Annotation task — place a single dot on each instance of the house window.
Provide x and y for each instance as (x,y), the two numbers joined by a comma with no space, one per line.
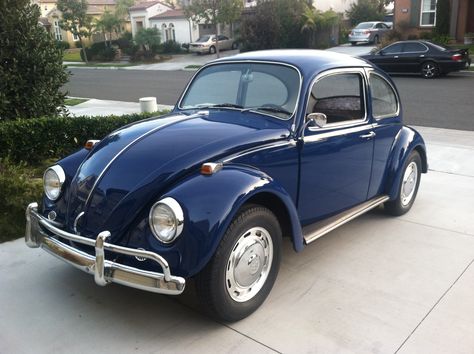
(171,33)
(428,13)
(164,32)
(57,31)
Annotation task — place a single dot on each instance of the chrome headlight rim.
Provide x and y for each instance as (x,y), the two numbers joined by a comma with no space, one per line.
(178,214)
(58,170)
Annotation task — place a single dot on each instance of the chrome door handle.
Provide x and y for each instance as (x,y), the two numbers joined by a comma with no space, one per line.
(396,56)
(368,136)
(422,56)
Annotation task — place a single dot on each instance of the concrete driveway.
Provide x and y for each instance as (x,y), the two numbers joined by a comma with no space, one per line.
(354,50)
(379,284)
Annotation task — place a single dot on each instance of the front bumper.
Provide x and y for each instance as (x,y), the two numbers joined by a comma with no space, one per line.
(104,271)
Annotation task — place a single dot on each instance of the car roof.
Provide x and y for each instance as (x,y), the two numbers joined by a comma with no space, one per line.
(308,61)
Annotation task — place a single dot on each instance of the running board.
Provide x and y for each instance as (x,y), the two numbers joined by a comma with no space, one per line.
(314,231)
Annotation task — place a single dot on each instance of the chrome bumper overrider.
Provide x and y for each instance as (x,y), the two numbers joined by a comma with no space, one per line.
(104,271)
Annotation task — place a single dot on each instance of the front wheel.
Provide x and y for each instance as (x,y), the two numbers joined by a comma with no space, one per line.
(212,50)
(244,267)
(408,186)
(376,40)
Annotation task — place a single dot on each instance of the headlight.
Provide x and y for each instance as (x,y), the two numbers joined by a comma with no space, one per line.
(53,180)
(166,220)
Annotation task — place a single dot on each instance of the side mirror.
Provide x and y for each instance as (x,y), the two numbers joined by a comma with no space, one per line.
(316,119)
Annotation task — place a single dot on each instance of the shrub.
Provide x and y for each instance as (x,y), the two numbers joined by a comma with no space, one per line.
(20,185)
(427,35)
(441,39)
(33,140)
(62,45)
(78,44)
(100,51)
(170,47)
(31,65)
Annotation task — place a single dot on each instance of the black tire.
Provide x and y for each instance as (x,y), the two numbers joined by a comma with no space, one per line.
(376,40)
(212,50)
(235,45)
(214,282)
(400,205)
(429,70)
(353,43)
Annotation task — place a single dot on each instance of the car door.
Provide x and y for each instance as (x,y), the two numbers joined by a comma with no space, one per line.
(223,42)
(336,159)
(412,55)
(388,58)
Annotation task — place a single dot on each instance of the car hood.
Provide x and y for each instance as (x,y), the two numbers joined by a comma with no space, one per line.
(132,167)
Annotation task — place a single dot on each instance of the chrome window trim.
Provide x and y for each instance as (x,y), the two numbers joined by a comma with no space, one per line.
(351,123)
(248,62)
(395,53)
(333,133)
(397,113)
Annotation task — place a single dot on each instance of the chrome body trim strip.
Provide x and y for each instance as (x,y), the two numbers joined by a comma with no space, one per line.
(125,148)
(333,133)
(256,149)
(104,271)
(314,231)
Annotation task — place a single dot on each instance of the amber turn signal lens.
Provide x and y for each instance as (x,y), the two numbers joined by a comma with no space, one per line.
(90,144)
(209,168)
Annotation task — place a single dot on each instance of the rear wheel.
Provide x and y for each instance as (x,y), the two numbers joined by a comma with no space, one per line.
(242,271)
(429,70)
(408,186)
(212,50)
(376,40)
(353,43)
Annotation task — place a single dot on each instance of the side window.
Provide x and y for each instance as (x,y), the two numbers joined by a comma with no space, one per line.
(384,99)
(395,48)
(339,96)
(413,47)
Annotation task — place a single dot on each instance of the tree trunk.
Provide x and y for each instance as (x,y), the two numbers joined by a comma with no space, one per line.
(83,50)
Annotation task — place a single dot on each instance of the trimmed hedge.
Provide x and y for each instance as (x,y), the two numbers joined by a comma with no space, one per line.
(34,140)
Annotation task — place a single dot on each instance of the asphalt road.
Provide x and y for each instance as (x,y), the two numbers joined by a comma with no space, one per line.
(442,103)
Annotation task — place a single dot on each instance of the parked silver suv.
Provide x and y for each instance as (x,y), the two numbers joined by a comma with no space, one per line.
(368,32)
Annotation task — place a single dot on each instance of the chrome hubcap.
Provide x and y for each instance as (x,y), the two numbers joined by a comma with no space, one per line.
(429,70)
(409,183)
(249,264)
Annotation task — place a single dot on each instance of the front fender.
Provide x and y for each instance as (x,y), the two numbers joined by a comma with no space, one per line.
(211,202)
(407,140)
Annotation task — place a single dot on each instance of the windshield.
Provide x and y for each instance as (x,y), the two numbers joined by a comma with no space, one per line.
(203,39)
(270,89)
(364,25)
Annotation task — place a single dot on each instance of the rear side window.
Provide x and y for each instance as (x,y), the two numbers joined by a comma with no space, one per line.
(414,48)
(384,99)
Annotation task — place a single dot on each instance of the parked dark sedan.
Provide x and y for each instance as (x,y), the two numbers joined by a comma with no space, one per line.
(429,59)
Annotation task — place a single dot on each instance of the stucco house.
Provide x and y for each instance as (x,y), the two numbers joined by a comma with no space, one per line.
(174,25)
(417,16)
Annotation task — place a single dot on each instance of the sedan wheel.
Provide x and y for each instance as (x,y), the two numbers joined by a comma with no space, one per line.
(212,50)
(244,267)
(429,70)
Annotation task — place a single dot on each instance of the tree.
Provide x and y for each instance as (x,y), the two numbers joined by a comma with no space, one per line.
(121,8)
(315,20)
(214,12)
(366,10)
(76,20)
(108,23)
(443,12)
(274,24)
(149,39)
(31,70)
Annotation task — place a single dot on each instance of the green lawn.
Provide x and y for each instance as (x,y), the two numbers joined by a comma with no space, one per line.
(74,101)
(72,56)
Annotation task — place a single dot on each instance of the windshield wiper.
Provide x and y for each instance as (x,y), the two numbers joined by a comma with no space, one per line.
(217,105)
(267,108)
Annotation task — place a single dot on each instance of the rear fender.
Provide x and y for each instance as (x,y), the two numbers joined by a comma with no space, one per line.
(406,141)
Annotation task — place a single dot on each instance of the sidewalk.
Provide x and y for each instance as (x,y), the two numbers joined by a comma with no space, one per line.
(94,107)
(378,284)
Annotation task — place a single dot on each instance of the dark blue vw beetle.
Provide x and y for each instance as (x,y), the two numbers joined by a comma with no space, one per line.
(260,146)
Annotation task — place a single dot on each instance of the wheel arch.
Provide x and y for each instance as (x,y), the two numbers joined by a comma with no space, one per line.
(407,140)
